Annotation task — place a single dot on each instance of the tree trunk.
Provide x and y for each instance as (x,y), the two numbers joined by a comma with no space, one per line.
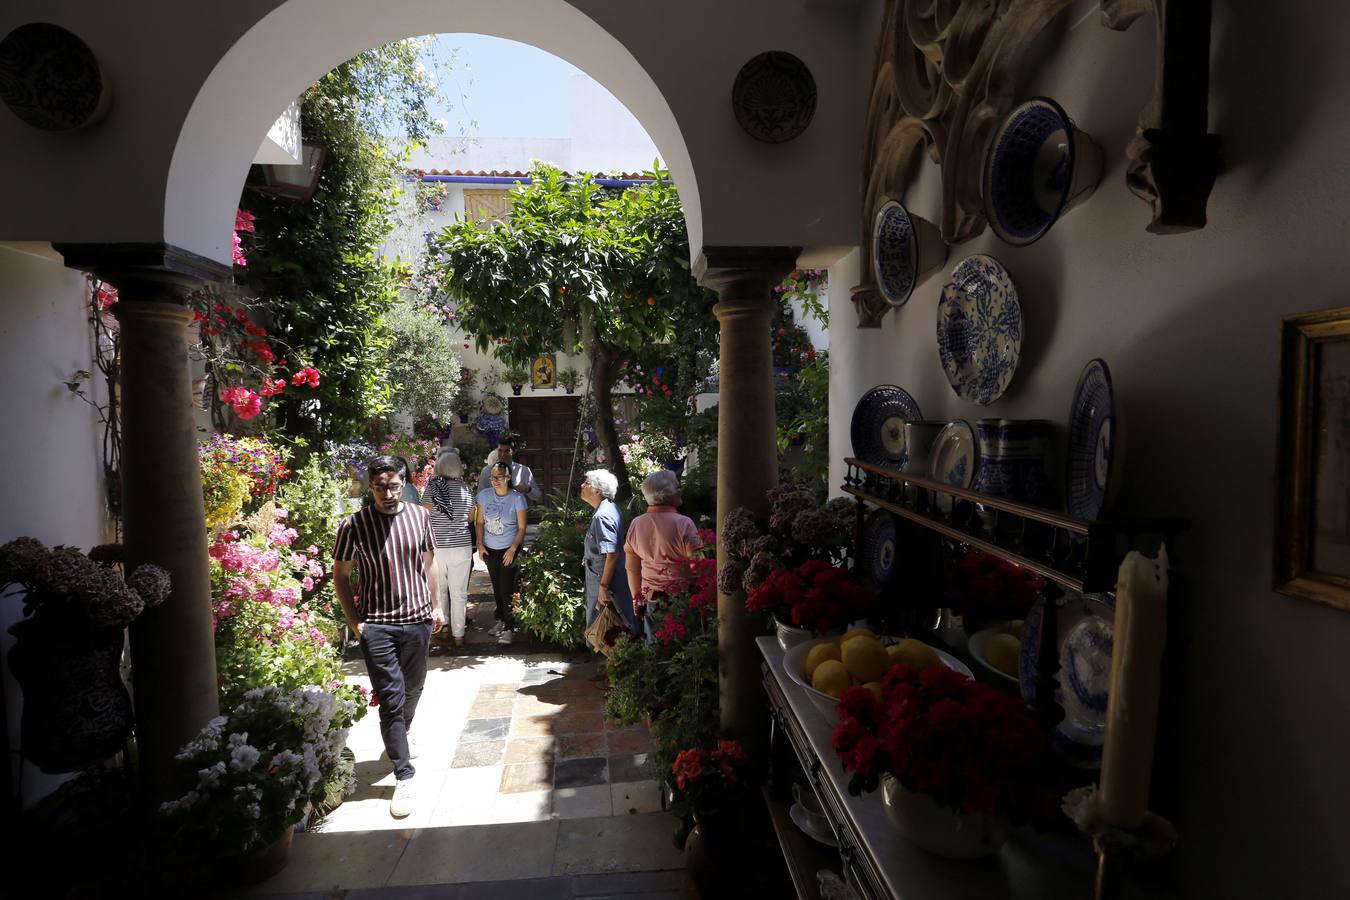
(603,359)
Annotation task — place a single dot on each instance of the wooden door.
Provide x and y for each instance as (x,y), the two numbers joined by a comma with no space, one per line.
(547,426)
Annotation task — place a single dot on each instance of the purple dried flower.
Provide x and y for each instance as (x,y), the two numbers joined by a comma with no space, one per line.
(150,582)
(19,559)
(107,554)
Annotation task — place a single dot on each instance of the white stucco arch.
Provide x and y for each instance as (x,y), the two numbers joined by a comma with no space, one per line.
(301,40)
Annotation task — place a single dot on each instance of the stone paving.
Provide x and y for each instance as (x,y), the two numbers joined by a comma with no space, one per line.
(519,776)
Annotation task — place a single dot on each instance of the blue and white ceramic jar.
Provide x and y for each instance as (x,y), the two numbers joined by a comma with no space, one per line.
(1013,454)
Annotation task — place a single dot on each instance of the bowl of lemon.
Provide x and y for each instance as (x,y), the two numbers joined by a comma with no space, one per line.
(996,651)
(828,666)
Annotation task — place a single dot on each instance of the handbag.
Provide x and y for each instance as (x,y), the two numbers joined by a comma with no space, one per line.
(607,618)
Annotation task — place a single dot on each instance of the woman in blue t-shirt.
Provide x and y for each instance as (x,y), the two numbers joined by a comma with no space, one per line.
(499,523)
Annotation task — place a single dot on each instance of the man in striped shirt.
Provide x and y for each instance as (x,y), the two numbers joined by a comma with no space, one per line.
(389,544)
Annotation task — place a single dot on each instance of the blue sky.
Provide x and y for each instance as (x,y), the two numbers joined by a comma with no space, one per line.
(509,89)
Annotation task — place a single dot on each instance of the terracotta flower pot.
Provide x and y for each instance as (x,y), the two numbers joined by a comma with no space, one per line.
(936,828)
(259,864)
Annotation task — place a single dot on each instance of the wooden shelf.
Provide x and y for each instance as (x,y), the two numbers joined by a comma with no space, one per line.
(1074,553)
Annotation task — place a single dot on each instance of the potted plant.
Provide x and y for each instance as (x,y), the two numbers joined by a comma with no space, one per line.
(569,379)
(68,650)
(254,772)
(516,375)
(466,400)
(955,758)
(711,784)
(814,597)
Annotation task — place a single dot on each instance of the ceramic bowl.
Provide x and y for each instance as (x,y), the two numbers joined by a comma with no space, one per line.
(906,249)
(794,661)
(976,645)
(1038,167)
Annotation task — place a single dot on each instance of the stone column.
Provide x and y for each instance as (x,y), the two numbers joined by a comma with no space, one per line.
(747,457)
(172,646)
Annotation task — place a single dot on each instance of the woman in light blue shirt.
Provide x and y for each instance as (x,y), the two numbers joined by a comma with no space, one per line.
(499,523)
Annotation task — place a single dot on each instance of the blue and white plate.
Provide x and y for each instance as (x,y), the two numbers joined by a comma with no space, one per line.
(954,455)
(876,552)
(895,253)
(878,426)
(1085,626)
(1093,436)
(979,329)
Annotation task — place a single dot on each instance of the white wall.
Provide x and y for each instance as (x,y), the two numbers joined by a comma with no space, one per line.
(51,440)
(1252,758)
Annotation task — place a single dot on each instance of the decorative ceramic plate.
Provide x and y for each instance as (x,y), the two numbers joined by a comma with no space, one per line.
(1028,171)
(953,456)
(876,551)
(979,329)
(493,404)
(774,97)
(1085,626)
(895,253)
(802,819)
(878,427)
(1092,442)
(976,645)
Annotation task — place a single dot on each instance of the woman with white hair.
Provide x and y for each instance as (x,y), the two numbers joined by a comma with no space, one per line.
(606,579)
(656,541)
(450,502)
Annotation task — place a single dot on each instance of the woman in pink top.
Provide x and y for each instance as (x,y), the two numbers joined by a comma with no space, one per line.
(656,539)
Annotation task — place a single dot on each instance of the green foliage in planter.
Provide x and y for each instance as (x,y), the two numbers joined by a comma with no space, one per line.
(316,500)
(516,375)
(473,453)
(806,415)
(569,379)
(552,585)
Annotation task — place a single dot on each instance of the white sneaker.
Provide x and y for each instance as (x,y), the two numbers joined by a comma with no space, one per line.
(404,800)
(506,637)
(496,628)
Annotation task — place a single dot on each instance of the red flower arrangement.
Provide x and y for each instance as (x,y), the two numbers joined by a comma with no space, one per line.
(987,585)
(815,595)
(708,779)
(961,742)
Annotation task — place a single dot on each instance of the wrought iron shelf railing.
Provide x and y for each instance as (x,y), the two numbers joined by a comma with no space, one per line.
(1074,553)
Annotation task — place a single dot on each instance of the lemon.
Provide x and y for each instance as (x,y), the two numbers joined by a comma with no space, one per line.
(874,687)
(914,653)
(1001,652)
(856,632)
(864,658)
(831,678)
(817,655)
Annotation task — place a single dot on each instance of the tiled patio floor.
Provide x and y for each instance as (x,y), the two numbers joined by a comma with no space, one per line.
(518,777)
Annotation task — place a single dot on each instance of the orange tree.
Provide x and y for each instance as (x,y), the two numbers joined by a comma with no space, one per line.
(579,266)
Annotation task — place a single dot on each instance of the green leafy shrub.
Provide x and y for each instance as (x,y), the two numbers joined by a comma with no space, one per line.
(423,358)
(552,584)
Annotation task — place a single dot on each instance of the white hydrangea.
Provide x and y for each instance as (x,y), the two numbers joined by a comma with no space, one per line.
(244,757)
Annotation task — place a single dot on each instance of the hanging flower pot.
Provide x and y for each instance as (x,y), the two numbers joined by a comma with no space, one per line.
(937,828)
(76,709)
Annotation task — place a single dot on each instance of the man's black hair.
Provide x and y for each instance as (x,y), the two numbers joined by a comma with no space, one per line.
(381,464)
(507,440)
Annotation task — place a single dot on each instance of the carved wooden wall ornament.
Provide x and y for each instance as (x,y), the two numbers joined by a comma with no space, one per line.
(943,78)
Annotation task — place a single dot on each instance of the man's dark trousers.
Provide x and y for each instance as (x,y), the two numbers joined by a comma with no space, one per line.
(396,659)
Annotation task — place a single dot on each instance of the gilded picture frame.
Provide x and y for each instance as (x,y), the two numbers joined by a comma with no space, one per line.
(544,371)
(1312,500)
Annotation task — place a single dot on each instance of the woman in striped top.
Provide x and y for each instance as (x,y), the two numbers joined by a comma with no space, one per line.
(450,502)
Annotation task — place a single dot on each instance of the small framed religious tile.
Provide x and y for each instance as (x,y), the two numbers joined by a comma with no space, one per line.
(1312,500)
(544,371)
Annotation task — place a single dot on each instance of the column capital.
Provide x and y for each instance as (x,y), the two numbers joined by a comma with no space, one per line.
(744,272)
(164,271)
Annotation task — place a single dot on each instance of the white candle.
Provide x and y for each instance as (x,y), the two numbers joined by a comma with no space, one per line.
(1132,710)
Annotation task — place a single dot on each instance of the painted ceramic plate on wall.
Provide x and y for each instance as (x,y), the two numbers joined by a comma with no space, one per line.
(894,253)
(954,457)
(493,405)
(878,426)
(876,551)
(774,97)
(1085,626)
(979,329)
(1093,438)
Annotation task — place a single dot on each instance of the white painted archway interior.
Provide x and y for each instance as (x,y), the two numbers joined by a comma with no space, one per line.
(300,41)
